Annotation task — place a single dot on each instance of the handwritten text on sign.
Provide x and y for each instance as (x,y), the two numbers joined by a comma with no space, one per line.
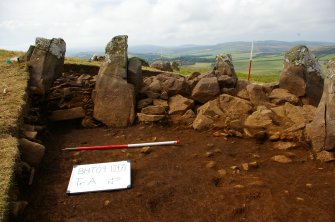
(99,177)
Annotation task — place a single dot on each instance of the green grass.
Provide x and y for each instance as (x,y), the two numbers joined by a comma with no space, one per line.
(8,156)
(259,78)
(186,71)
(14,78)
(81,61)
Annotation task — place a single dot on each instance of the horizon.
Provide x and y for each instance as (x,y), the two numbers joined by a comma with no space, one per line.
(102,48)
(92,23)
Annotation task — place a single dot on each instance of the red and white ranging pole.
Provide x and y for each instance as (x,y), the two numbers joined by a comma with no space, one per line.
(250,63)
(121,146)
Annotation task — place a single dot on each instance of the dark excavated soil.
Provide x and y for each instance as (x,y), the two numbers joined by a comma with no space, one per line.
(172,183)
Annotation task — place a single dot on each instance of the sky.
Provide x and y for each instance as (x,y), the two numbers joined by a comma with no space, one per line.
(91,24)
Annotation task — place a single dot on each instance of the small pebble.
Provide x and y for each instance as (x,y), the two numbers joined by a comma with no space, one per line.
(281,159)
(211,164)
(234,167)
(146,150)
(253,164)
(222,172)
(309,185)
(76,153)
(210,145)
(238,186)
(299,199)
(256,183)
(209,154)
(217,150)
(245,166)
(107,202)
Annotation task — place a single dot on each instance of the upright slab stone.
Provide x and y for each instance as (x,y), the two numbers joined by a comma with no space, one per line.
(225,72)
(114,97)
(302,75)
(46,63)
(321,130)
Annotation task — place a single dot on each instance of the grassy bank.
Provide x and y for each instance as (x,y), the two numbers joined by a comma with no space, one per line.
(12,100)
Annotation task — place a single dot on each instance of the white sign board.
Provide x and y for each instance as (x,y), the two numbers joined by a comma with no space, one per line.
(99,177)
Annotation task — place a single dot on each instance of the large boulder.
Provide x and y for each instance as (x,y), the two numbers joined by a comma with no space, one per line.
(257,94)
(162,65)
(114,97)
(302,75)
(206,89)
(174,84)
(241,89)
(321,130)
(261,118)
(281,96)
(179,104)
(46,63)
(223,112)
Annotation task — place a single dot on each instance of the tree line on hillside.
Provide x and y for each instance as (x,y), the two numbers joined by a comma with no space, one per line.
(184,60)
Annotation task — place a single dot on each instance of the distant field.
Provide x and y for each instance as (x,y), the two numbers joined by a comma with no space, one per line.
(264,68)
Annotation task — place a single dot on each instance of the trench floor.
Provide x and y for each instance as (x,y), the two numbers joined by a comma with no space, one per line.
(175,183)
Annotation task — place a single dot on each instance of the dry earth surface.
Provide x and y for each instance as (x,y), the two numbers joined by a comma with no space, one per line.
(200,180)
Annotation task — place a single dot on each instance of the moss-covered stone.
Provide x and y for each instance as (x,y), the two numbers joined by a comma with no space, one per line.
(300,55)
(116,55)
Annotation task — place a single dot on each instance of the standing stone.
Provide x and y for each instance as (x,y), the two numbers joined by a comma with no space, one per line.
(114,97)
(225,72)
(321,130)
(46,63)
(28,54)
(302,75)
(135,73)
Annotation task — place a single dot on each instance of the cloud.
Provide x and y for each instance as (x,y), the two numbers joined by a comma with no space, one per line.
(92,23)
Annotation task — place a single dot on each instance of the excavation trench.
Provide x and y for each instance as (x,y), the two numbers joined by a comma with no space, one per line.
(209,177)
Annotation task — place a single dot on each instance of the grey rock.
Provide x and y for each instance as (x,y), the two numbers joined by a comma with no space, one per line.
(149,118)
(281,96)
(261,118)
(67,114)
(144,102)
(114,98)
(302,74)
(46,63)
(281,159)
(257,95)
(135,73)
(223,112)
(206,89)
(325,156)
(179,104)
(17,209)
(31,152)
(161,102)
(285,145)
(162,65)
(153,110)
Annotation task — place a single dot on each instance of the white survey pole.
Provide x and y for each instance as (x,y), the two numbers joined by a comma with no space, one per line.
(250,62)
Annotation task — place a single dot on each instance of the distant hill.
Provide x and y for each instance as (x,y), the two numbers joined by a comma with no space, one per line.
(269,46)
(207,53)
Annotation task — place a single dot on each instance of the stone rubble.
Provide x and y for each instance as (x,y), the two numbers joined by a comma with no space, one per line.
(122,93)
